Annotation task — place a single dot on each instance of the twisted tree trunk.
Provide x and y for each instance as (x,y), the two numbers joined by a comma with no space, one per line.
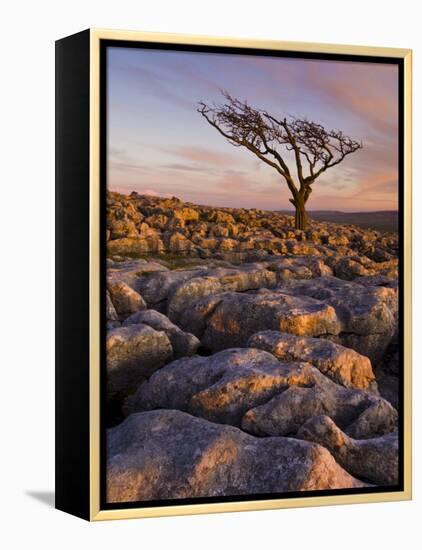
(301,216)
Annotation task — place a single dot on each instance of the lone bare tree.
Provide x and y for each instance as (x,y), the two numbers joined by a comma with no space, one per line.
(310,144)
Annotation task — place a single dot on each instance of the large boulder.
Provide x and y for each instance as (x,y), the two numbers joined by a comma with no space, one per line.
(245,277)
(169,454)
(125,300)
(175,291)
(240,315)
(217,281)
(367,314)
(349,268)
(289,409)
(361,309)
(133,354)
(299,267)
(343,365)
(379,418)
(190,291)
(130,272)
(220,388)
(194,318)
(156,287)
(376,460)
(183,343)
(250,387)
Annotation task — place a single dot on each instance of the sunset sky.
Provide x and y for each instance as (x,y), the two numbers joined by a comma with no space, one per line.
(159,144)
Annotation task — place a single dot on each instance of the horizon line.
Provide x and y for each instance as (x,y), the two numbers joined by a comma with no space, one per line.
(157,196)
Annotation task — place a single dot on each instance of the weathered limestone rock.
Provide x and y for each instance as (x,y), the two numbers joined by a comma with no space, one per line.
(335,240)
(357,267)
(361,309)
(122,228)
(155,288)
(219,231)
(220,388)
(343,365)
(253,385)
(130,272)
(187,293)
(302,248)
(194,318)
(239,316)
(245,277)
(217,280)
(170,454)
(179,244)
(190,291)
(378,419)
(299,267)
(289,409)
(373,459)
(349,268)
(125,299)
(227,244)
(151,244)
(187,214)
(177,290)
(220,217)
(367,315)
(133,354)
(184,344)
(157,221)
(140,224)
(272,280)
(378,280)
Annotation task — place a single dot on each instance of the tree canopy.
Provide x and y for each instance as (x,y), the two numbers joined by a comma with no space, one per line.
(314,148)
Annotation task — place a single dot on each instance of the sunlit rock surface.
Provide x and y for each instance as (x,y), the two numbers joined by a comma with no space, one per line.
(343,365)
(235,340)
(250,388)
(170,454)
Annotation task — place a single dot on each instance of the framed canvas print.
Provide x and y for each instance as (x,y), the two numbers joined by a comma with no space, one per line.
(233,274)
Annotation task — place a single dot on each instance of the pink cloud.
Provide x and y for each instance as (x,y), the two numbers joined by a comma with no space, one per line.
(377,191)
(357,88)
(204,155)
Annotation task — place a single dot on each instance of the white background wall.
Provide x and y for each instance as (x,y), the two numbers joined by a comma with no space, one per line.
(28,31)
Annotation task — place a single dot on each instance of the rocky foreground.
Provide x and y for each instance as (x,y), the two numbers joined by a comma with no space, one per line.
(245,357)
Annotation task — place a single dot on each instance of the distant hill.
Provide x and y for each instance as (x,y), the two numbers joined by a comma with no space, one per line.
(383,220)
